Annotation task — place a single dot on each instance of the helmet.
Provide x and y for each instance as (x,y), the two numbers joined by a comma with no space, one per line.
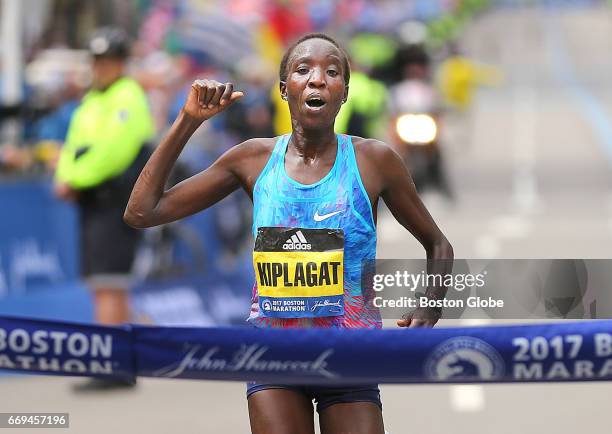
(110,42)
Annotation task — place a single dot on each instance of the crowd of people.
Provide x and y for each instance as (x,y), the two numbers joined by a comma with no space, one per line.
(175,42)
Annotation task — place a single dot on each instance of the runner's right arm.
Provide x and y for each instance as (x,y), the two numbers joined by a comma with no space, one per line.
(150,204)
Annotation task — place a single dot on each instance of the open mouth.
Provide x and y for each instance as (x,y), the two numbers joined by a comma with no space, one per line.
(315,102)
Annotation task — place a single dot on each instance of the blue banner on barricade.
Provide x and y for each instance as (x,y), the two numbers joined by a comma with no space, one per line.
(58,348)
(580,351)
(38,239)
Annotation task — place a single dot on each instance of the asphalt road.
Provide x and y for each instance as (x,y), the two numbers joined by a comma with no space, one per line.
(531,168)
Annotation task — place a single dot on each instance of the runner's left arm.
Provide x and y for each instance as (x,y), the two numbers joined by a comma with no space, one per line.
(400,196)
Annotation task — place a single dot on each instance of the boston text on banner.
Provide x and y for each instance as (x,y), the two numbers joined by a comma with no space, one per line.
(58,348)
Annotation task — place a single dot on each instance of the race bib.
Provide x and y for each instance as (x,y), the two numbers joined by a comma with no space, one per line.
(299,272)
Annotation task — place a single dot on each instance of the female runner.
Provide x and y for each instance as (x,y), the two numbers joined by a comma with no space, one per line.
(315,195)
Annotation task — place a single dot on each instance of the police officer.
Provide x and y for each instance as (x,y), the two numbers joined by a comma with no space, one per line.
(102,156)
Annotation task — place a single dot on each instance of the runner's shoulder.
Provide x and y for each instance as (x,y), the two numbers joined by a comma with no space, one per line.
(252,148)
(372,150)
(250,154)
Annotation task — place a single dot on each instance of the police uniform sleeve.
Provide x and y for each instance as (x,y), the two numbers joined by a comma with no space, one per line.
(66,156)
(121,129)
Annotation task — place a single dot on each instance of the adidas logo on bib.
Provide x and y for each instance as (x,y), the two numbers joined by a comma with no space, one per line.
(297,242)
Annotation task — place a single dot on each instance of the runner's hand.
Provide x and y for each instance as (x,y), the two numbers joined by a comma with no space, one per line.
(420,317)
(208,97)
(65,192)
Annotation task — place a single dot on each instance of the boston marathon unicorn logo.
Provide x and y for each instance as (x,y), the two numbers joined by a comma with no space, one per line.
(266,305)
(464,359)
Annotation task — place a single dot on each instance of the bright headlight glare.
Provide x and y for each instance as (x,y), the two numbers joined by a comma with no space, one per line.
(418,129)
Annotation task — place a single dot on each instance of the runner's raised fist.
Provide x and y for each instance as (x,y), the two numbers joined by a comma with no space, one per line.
(208,97)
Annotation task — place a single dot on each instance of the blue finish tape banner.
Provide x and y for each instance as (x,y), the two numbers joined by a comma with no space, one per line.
(544,352)
(579,351)
(58,348)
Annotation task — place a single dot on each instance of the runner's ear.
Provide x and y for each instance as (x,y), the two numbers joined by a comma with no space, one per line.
(283,89)
(346,93)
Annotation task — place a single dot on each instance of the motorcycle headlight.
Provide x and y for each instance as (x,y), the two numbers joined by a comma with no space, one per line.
(416,129)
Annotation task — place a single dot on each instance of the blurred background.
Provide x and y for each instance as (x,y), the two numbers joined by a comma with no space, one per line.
(502,109)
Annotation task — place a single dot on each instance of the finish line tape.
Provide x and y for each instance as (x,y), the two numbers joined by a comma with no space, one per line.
(569,351)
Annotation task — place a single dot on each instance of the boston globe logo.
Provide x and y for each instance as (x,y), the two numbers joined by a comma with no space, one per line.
(464,359)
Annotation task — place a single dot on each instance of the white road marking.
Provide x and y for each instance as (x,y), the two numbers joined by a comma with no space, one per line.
(524,147)
(511,226)
(467,398)
(487,247)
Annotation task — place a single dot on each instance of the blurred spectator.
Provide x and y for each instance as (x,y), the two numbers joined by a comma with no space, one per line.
(416,98)
(160,75)
(289,19)
(365,106)
(101,159)
(251,116)
(56,81)
(458,78)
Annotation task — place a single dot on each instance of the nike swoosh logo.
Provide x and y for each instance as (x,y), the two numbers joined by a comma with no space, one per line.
(320,218)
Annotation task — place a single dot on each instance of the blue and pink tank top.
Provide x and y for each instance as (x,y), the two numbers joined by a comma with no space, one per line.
(337,207)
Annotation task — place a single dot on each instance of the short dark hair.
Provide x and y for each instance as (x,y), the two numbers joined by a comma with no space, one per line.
(285,60)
